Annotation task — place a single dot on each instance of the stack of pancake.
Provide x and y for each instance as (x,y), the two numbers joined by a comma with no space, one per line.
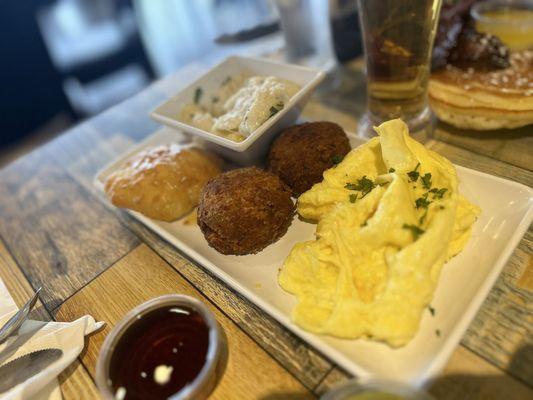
(485,100)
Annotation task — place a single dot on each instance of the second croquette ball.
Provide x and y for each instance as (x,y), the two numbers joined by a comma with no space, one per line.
(301,153)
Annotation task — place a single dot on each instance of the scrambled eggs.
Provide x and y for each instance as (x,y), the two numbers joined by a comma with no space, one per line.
(389,216)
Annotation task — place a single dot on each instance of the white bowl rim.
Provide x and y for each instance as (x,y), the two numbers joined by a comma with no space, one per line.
(246,143)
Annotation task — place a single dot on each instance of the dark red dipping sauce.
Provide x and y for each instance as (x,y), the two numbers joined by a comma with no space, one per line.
(174,336)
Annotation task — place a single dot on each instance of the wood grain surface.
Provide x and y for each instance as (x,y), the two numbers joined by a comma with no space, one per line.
(466,376)
(503,328)
(75,381)
(299,358)
(307,364)
(57,232)
(505,145)
(85,151)
(141,275)
(502,331)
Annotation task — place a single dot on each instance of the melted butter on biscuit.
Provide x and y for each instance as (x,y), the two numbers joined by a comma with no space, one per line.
(381,240)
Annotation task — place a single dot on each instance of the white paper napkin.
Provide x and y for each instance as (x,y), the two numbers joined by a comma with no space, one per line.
(37,335)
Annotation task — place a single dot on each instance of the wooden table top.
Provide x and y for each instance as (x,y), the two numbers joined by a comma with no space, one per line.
(57,232)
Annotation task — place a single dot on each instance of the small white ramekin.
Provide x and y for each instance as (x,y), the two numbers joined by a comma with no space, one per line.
(255,146)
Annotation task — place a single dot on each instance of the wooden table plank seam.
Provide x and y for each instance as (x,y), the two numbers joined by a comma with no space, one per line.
(71,380)
(80,359)
(4,243)
(162,248)
(479,153)
(506,145)
(53,310)
(496,366)
(501,332)
(317,386)
(157,243)
(148,269)
(39,298)
(260,344)
(124,216)
(54,229)
(481,162)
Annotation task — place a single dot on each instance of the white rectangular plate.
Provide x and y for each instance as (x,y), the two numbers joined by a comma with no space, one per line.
(507,212)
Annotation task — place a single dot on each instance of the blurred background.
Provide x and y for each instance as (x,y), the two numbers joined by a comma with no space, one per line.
(66,60)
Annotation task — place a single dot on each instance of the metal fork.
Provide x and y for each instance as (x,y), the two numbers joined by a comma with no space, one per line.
(18,319)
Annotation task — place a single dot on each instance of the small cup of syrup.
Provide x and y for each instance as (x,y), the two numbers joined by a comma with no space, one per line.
(168,347)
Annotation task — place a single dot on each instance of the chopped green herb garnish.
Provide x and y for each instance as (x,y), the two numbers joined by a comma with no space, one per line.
(438,193)
(226,81)
(275,109)
(364,223)
(337,158)
(437,332)
(442,207)
(353,198)
(431,310)
(422,202)
(198,95)
(426,181)
(414,174)
(415,230)
(423,217)
(214,99)
(391,170)
(364,185)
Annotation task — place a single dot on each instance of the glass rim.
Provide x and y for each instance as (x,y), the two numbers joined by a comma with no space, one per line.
(477,10)
(212,357)
(369,384)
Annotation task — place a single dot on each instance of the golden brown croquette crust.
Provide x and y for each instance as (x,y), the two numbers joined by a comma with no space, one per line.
(244,210)
(301,153)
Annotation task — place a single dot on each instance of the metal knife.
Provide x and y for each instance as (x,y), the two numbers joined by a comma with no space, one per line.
(18,319)
(24,367)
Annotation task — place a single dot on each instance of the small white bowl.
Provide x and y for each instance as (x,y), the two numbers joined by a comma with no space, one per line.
(255,146)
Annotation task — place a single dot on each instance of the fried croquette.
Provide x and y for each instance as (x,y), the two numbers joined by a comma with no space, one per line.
(303,152)
(244,210)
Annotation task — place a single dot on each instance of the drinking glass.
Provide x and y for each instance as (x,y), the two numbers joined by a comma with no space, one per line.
(398,40)
(306,29)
